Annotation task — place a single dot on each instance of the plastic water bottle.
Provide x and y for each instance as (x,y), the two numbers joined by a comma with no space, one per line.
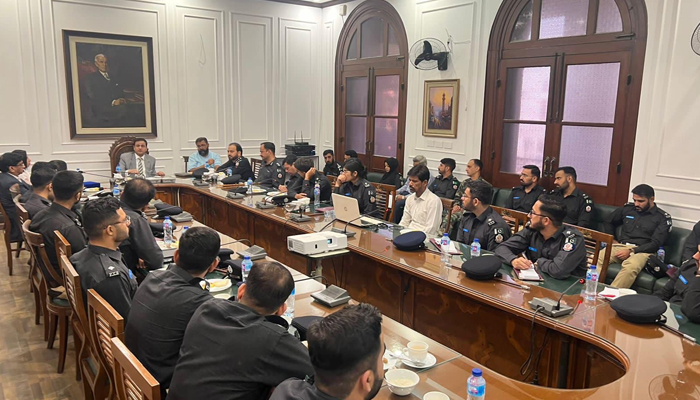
(661,253)
(119,170)
(168,231)
(445,247)
(246,266)
(229,171)
(290,305)
(116,192)
(476,248)
(476,386)
(317,195)
(591,283)
(249,186)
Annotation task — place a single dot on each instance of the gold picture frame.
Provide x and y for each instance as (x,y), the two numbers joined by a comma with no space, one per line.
(441,108)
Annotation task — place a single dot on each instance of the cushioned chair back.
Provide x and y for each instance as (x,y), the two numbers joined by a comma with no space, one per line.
(601,213)
(495,194)
(374,177)
(501,197)
(132,379)
(675,244)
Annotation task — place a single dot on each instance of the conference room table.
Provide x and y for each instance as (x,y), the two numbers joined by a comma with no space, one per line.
(590,353)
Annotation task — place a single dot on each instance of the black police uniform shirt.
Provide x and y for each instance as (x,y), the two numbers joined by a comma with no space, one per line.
(7,181)
(579,207)
(232,352)
(646,230)
(65,221)
(489,228)
(445,187)
(562,255)
(691,243)
(307,187)
(271,175)
(297,389)
(34,204)
(141,243)
(160,311)
(363,191)
(103,270)
(684,289)
(239,166)
(522,201)
(294,184)
(333,169)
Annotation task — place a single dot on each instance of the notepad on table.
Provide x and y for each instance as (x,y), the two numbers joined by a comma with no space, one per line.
(529,274)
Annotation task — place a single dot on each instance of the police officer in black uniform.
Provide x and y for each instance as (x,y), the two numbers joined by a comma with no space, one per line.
(67,189)
(42,190)
(445,184)
(332,167)
(352,183)
(309,175)
(292,185)
(240,166)
(579,206)
(552,247)
(140,249)
(100,265)
(480,221)
(684,288)
(645,227)
(523,197)
(271,174)
(691,243)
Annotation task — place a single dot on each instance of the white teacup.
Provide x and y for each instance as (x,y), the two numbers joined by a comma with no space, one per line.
(435,396)
(417,351)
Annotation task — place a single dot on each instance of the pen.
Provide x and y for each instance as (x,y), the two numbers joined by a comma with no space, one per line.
(679,333)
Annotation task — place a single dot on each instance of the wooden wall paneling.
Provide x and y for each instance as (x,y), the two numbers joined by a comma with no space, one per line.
(192,202)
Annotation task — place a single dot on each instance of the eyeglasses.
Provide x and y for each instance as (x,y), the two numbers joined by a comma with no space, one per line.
(127,221)
(532,212)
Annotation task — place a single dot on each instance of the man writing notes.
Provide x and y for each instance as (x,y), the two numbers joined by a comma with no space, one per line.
(480,221)
(139,162)
(203,158)
(423,210)
(645,227)
(241,349)
(547,244)
(346,350)
(524,196)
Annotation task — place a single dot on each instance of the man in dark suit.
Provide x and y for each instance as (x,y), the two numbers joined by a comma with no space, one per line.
(11,166)
(103,102)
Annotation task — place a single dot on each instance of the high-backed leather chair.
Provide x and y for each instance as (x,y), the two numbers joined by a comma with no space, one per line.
(120,146)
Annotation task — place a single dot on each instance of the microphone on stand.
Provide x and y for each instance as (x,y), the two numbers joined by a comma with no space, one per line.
(554,308)
(369,214)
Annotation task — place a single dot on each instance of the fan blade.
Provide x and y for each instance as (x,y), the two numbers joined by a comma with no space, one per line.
(427,48)
(420,58)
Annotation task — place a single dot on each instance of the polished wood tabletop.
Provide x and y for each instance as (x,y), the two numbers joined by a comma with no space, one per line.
(639,361)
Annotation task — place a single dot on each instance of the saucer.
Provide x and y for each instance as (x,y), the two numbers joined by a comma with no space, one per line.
(430,360)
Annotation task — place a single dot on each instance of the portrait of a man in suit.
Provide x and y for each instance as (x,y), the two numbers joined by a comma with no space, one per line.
(110,84)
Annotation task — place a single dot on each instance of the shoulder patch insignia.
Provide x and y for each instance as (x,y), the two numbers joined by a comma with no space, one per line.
(588,208)
(454,187)
(279,176)
(499,237)
(372,199)
(568,247)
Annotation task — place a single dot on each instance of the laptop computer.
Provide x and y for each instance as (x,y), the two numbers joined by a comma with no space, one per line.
(347,209)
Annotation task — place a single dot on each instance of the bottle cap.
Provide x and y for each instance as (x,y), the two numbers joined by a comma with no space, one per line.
(476,372)
(167,217)
(246,257)
(593,266)
(185,228)
(476,240)
(445,234)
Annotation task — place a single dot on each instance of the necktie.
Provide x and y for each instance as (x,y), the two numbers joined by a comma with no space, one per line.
(140,166)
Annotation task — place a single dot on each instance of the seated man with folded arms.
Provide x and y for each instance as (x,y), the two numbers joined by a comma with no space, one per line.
(140,249)
(645,227)
(553,248)
(578,205)
(684,288)
(309,175)
(100,264)
(203,158)
(691,244)
(240,166)
(271,173)
(404,191)
(332,166)
(166,300)
(241,349)
(42,189)
(423,210)
(293,182)
(67,190)
(346,350)
(480,221)
(523,197)
(139,162)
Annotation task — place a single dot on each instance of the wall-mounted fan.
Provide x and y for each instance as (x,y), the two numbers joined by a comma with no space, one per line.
(429,53)
(695,40)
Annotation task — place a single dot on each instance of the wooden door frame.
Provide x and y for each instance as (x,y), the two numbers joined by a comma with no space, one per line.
(632,40)
(365,11)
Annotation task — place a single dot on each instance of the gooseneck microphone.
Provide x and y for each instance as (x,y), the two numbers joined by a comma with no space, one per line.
(558,306)
(553,308)
(369,214)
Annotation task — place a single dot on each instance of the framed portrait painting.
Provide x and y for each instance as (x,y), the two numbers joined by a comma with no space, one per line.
(109,80)
(440,107)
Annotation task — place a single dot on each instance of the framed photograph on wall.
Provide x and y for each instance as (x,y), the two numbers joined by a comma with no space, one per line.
(109,80)
(440,108)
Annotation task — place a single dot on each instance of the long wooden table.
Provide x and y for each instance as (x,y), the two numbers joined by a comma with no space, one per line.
(592,351)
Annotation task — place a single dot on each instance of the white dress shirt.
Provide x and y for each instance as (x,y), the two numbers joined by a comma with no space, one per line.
(423,213)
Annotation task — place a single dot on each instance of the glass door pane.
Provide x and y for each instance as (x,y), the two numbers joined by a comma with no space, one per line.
(523,144)
(356,107)
(386,104)
(588,150)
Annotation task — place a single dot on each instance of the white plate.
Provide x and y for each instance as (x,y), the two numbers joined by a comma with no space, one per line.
(273,194)
(213,289)
(390,360)
(258,190)
(430,360)
(224,296)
